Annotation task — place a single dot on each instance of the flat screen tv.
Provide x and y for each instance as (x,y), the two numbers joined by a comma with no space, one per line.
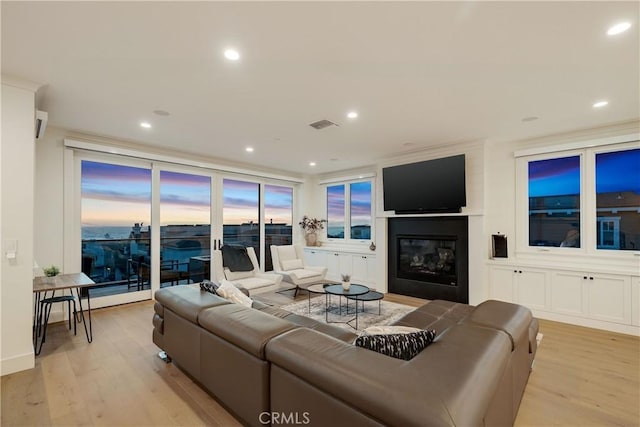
(433,186)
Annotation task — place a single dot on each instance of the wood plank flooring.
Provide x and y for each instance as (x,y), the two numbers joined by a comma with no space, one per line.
(581,377)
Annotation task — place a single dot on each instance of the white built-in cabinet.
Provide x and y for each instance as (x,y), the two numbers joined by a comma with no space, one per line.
(527,286)
(587,295)
(360,266)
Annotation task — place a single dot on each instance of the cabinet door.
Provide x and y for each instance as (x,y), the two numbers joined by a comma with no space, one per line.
(568,292)
(338,264)
(363,267)
(609,297)
(315,257)
(532,288)
(501,283)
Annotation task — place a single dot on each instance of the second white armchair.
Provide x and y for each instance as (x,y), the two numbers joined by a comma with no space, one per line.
(288,261)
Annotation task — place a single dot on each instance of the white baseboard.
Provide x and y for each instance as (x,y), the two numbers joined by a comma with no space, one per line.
(18,363)
(589,323)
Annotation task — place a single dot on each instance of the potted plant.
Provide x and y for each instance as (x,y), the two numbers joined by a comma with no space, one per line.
(346,281)
(310,227)
(51,271)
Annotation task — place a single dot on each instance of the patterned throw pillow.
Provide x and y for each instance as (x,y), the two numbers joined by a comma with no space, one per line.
(209,286)
(400,346)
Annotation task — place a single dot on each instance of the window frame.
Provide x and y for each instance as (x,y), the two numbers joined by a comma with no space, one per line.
(588,205)
(347,210)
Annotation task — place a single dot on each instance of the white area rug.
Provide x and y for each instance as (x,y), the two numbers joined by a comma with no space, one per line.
(389,312)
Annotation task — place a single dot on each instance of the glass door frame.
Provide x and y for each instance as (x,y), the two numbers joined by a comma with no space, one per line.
(73,218)
(157,168)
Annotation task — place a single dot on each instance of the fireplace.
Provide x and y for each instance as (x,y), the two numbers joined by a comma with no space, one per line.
(428,258)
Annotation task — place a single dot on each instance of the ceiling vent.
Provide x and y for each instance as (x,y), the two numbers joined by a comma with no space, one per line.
(41,123)
(322,124)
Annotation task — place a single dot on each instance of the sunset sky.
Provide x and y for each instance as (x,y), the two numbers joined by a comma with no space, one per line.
(114,195)
(360,204)
(616,171)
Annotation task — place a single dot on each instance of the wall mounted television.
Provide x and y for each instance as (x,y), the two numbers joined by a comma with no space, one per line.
(432,186)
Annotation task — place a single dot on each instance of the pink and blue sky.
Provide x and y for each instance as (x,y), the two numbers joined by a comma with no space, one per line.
(115,195)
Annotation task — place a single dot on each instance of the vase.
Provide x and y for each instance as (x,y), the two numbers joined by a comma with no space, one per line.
(346,285)
(311,239)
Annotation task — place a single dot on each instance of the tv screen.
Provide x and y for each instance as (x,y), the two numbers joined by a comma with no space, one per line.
(433,186)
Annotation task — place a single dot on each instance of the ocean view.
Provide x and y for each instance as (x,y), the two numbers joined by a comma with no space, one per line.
(100,232)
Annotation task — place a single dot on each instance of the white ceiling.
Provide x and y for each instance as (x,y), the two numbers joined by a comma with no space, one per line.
(418,73)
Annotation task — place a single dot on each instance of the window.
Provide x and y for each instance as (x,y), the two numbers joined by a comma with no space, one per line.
(349,208)
(554,202)
(278,217)
(335,212)
(618,200)
(115,216)
(584,200)
(360,210)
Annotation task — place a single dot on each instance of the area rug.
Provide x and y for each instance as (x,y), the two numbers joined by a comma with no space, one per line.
(389,312)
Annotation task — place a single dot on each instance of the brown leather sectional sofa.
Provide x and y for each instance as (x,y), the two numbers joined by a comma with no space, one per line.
(269,366)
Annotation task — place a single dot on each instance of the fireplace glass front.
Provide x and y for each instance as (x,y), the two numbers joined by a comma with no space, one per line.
(427,259)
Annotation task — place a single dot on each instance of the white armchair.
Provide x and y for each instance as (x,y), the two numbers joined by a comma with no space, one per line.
(254,281)
(289,262)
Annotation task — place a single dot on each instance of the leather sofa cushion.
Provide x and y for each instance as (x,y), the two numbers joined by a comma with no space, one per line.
(510,318)
(439,315)
(187,301)
(339,333)
(244,327)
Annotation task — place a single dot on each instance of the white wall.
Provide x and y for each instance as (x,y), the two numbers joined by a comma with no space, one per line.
(18,153)
(49,186)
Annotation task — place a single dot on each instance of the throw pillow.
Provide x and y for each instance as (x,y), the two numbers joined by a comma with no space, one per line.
(400,346)
(236,258)
(229,292)
(209,286)
(387,330)
(292,264)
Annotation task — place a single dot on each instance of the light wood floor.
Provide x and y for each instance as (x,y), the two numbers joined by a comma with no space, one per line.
(581,377)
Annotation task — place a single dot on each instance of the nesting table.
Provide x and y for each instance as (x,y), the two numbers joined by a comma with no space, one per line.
(353,293)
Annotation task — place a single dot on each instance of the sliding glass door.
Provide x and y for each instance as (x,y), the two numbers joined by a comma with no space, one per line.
(116,217)
(278,218)
(185,228)
(241,213)
(149,226)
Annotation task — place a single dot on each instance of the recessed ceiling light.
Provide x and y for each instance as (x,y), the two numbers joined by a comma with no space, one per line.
(145,125)
(161,112)
(232,54)
(352,114)
(619,28)
(312,163)
(600,104)
(249,149)
(530,119)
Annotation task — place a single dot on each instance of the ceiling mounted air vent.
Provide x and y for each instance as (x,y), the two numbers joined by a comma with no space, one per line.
(321,124)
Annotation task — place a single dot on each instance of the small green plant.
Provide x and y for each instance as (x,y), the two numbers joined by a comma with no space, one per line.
(346,277)
(51,271)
